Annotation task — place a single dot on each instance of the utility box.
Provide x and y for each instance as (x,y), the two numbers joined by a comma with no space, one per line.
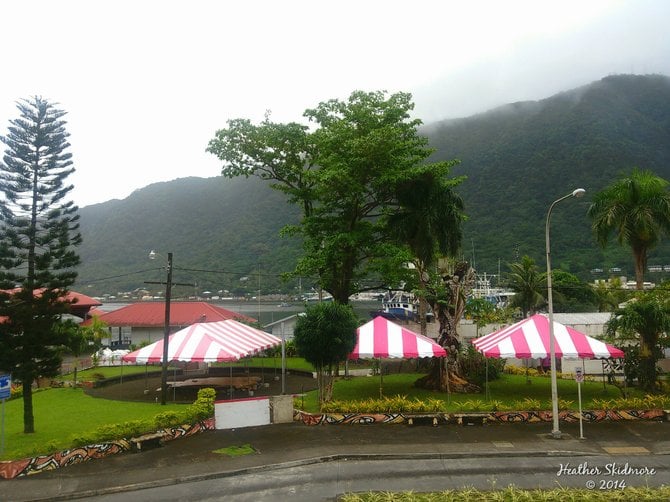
(281,409)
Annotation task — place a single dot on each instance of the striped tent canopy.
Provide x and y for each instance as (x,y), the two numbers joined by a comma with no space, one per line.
(208,342)
(529,338)
(381,338)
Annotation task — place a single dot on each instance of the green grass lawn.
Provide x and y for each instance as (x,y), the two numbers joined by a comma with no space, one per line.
(507,390)
(60,414)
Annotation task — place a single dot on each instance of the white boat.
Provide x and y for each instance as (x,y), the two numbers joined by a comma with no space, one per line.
(498,296)
(401,306)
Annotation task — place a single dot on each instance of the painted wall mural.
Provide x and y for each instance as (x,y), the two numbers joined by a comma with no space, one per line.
(481,418)
(58,460)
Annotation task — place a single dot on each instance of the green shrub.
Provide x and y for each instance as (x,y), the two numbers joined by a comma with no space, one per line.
(170,419)
(203,407)
(473,366)
(528,404)
(565,404)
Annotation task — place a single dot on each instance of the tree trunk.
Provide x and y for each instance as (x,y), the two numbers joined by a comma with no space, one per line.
(647,368)
(640,257)
(436,379)
(28,417)
(448,314)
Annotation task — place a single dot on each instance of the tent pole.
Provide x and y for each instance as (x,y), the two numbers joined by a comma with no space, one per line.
(283,360)
(486,393)
(381,379)
(446,371)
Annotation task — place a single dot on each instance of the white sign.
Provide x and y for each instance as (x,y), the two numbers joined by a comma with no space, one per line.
(5,386)
(238,413)
(579,376)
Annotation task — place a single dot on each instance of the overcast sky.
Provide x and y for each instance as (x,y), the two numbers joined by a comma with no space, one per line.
(146,83)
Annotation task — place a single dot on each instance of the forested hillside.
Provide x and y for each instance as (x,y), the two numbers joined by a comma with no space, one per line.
(517,159)
(221,230)
(521,157)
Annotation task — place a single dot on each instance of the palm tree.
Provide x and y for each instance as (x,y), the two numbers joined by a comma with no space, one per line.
(429,223)
(527,282)
(637,209)
(647,316)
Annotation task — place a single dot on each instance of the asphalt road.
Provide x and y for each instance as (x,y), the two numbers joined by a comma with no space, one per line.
(325,481)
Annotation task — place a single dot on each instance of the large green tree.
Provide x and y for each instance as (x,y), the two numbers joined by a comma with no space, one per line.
(636,208)
(38,235)
(347,172)
(647,319)
(325,336)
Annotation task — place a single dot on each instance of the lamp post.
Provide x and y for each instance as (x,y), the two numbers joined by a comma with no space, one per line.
(166,332)
(555,431)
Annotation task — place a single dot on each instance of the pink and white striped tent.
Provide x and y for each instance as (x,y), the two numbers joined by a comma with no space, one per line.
(381,338)
(529,338)
(208,342)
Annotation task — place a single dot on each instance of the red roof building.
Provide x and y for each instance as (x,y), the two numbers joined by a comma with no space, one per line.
(81,304)
(145,321)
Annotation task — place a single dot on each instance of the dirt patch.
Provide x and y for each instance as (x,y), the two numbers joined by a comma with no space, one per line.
(146,388)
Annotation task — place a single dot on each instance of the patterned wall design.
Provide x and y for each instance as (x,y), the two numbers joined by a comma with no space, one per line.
(34,465)
(460,418)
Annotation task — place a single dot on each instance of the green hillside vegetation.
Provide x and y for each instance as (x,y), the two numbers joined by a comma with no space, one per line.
(521,157)
(227,228)
(517,159)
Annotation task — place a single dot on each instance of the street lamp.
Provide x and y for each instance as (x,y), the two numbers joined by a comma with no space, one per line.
(555,432)
(166,333)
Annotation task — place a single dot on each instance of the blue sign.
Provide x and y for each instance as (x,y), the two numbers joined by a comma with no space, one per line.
(5,386)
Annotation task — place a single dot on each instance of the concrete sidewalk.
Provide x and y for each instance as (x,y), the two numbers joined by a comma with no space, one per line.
(282,446)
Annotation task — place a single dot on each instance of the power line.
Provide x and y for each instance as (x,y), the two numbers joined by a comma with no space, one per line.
(121,275)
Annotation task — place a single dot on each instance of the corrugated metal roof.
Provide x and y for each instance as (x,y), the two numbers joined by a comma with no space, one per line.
(583,318)
(152,314)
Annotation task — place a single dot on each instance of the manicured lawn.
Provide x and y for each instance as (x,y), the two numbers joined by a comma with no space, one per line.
(507,390)
(61,414)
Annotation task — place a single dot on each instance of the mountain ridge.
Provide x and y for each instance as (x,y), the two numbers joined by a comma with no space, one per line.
(518,158)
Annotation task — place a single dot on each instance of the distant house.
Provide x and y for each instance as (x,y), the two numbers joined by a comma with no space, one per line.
(142,322)
(283,327)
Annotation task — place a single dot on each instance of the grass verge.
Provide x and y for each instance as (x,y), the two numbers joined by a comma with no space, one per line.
(62,413)
(516,495)
(236,451)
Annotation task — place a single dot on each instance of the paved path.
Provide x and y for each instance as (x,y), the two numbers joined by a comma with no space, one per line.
(284,447)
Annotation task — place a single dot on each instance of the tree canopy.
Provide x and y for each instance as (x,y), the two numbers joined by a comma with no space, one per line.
(636,208)
(325,336)
(528,284)
(647,319)
(349,173)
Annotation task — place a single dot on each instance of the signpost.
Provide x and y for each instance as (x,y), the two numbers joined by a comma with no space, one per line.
(5,393)
(579,378)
